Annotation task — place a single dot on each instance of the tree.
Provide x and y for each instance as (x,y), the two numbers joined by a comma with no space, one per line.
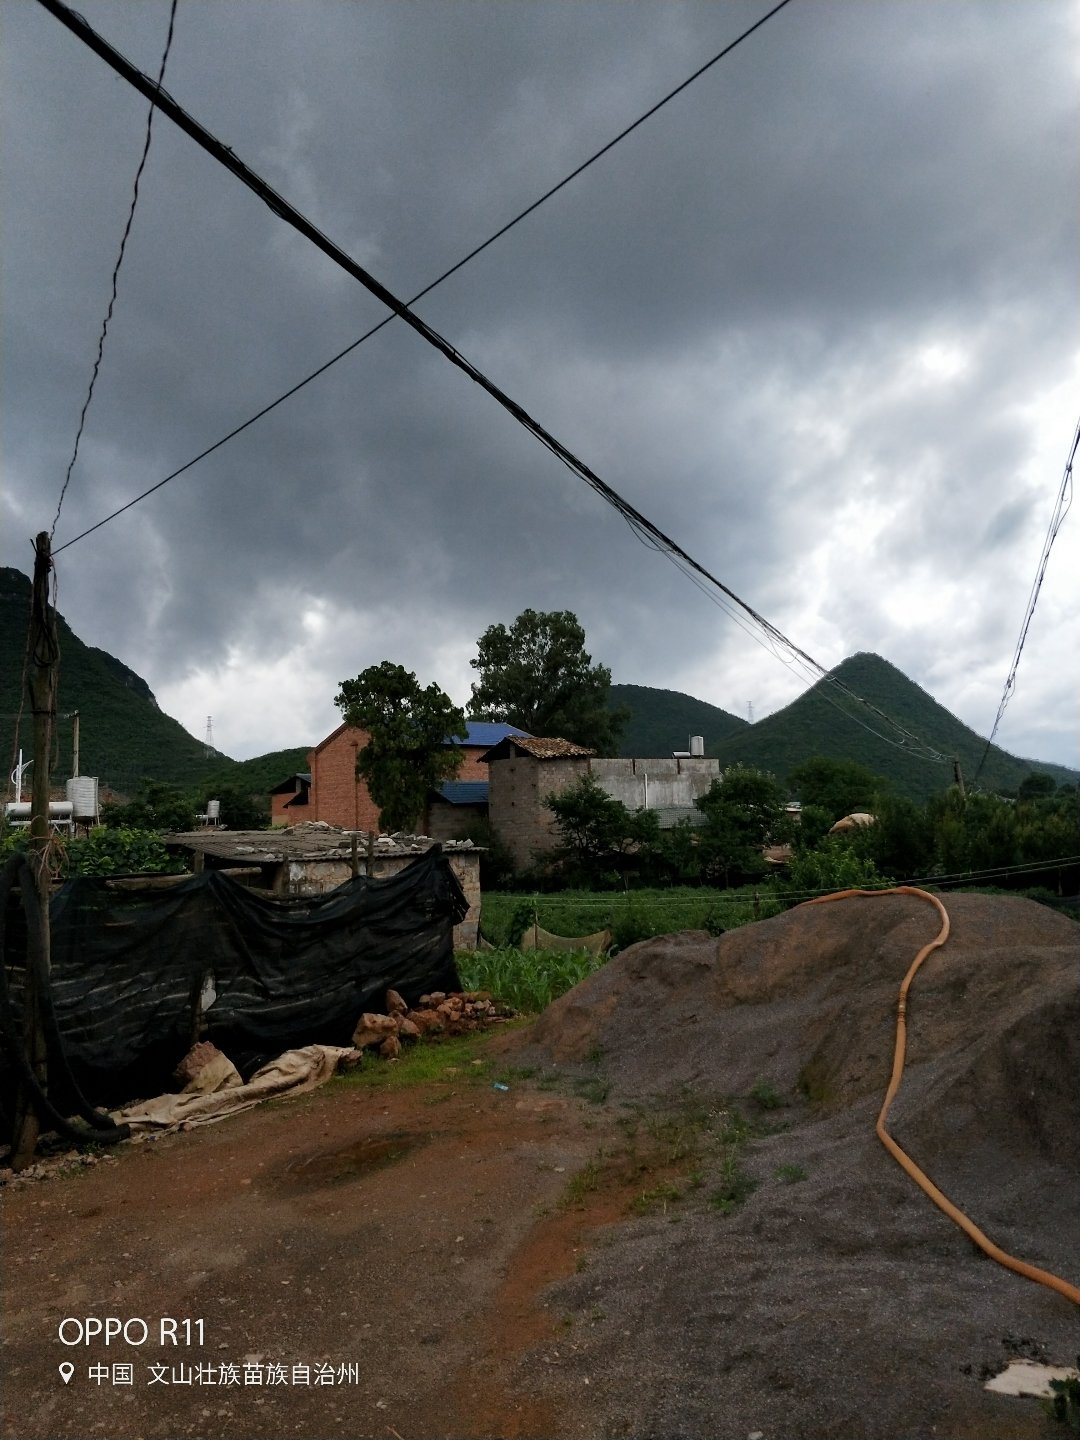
(838,786)
(158,807)
(406,754)
(537,675)
(595,827)
(744,812)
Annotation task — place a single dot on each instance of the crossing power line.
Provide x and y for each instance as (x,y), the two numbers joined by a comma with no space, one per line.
(639,523)
(446,274)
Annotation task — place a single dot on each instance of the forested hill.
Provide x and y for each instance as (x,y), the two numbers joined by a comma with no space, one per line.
(124,737)
(663,720)
(823,722)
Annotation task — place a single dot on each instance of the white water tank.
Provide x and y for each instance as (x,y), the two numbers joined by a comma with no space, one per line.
(82,791)
(697,745)
(213,811)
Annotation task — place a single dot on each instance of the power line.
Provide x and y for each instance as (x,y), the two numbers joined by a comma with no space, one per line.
(314,375)
(1061,508)
(299,222)
(116,273)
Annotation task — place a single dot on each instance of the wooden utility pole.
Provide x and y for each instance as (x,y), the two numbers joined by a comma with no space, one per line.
(958,775)
(44,652)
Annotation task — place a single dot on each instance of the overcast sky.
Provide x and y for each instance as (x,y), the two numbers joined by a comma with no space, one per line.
(817,319)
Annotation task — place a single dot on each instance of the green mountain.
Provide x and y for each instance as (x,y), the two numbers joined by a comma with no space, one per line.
(124,737)
(261,773)
(823,721)
(663,720)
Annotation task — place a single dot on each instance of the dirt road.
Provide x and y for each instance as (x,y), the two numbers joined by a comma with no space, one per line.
(406,1235)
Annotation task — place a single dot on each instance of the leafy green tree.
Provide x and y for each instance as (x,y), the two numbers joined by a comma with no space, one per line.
(406,753)
(157,807)
(1036,786)
(744,812)
(537,675)
(901,841)
(838,786)
(240,809)
(813,824)
(594,827)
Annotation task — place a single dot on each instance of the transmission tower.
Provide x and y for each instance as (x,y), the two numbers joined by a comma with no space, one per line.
(209,746)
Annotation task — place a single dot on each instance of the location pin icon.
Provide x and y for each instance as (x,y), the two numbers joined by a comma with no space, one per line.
(66,1371)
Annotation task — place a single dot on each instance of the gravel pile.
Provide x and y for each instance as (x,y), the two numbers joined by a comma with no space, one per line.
(840,1302)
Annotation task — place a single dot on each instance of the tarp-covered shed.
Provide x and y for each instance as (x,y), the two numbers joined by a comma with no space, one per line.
(137,973)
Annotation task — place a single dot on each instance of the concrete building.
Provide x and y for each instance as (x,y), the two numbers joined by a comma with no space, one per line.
(523,771)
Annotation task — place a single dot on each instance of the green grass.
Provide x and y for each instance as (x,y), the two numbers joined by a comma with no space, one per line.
(585,1182)
(632,912)
(528,981)
(429,1062)
(735,1185)
(766,1095)
(790,1174)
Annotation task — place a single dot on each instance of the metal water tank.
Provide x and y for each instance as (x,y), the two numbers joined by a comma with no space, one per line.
(697,745)
(213,811)
(82,791)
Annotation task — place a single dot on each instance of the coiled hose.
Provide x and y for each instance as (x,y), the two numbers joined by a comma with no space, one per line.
(100,1128)
(1021,1267)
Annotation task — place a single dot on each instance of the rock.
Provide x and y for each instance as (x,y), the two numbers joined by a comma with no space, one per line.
(408,1029)
(373,1030)
(205,1070)
(395,1005)
(390,1048)
(351,1060)
(426,1020)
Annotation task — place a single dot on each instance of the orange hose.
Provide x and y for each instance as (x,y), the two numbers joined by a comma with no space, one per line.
(1021,1267)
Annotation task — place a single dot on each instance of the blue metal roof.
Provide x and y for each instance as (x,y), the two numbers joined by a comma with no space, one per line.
(465,792)
(486,733)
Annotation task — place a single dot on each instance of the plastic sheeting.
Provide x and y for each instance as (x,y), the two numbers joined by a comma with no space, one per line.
(134,970)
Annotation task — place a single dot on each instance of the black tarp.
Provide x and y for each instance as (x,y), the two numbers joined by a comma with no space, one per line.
(129,967)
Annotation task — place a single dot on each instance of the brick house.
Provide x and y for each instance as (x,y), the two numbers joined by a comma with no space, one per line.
(336,795)
(289,800)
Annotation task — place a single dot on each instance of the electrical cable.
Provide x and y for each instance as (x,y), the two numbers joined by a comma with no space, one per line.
(115,274)
(1061,508)
(291,216)
(322,369)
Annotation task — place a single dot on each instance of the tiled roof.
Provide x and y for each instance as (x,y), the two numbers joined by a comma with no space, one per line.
(465,792)
(549,747)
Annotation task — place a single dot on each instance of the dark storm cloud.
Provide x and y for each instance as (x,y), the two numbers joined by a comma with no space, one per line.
(808,319)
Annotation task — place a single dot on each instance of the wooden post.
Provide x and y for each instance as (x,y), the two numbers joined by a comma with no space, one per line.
(44,665)
(353,838)
(959,775)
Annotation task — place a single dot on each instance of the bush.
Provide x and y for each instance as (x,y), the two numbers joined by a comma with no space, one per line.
(124,851)
(834,866)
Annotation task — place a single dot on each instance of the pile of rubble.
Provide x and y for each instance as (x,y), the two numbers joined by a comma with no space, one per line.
(439,1013)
